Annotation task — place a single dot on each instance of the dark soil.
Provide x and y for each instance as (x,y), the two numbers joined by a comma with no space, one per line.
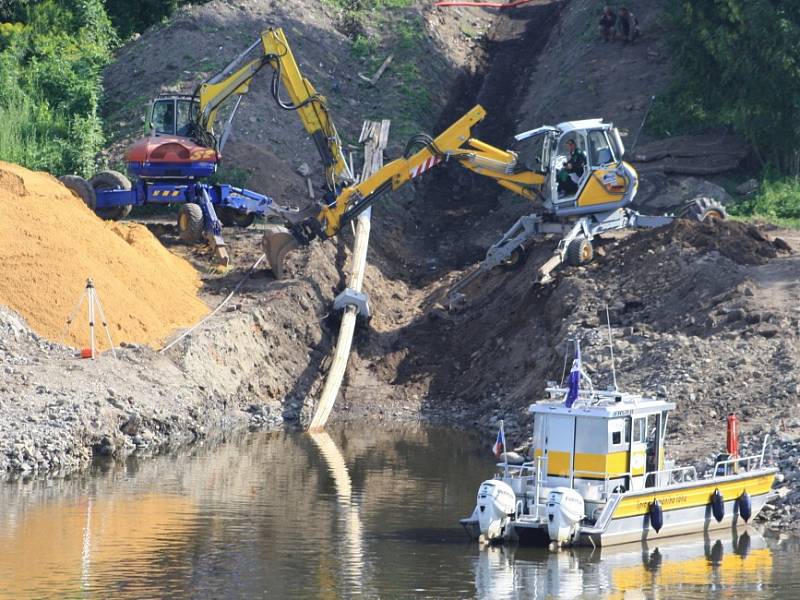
(743,243)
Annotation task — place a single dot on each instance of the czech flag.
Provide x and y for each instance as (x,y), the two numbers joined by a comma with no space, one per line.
(500,443)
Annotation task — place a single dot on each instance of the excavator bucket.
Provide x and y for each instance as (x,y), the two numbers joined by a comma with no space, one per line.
(277,243)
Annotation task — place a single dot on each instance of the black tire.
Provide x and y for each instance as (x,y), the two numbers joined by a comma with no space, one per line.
(111,180)
(703,208)
(190,222)
(516,260)
(233,218)
(81,188)
(224,215)
(579,252)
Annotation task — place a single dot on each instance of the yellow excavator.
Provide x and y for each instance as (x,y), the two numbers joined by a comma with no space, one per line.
(598,200)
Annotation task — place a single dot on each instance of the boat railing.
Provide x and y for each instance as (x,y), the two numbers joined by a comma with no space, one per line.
(740,464)
(526,469)
(605,477)
(732,466)
(673,475)
(532,471)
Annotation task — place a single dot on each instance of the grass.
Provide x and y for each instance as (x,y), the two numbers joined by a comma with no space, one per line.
(367,5)
(768,220)
(19,139)
(777,202)
(401,33)
(231,175)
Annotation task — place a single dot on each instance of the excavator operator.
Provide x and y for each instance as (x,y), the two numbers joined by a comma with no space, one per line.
(571,174)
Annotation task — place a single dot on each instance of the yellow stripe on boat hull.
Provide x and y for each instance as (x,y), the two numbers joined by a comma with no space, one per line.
(690,496)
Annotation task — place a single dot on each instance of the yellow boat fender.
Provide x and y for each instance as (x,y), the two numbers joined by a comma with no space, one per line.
(745,506)
(656,515)
(718,505)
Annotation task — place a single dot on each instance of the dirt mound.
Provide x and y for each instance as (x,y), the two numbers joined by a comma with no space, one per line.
(51,244)
(743,243)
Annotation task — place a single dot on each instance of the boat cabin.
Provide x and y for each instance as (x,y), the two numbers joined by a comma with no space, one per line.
(606,440)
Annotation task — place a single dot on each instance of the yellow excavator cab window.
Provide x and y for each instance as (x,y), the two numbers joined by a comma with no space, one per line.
(163,118)
(173,116)
(187,114)
(534,152)
(580,141)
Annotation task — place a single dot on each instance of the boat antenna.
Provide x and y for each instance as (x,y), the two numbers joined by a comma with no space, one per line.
(611,346)
(564,370)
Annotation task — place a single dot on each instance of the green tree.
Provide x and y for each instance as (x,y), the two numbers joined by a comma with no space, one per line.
(50,83)
(132,16)
(736,63)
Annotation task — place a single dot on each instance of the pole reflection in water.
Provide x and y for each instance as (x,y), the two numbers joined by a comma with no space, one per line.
(350,518)
(740,563)
(63,547)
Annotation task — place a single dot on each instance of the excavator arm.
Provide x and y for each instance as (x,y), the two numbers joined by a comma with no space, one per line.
(455,143)
(311,107)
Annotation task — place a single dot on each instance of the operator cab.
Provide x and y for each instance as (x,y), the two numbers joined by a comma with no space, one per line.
(168,151)
(172,115)
(607,183)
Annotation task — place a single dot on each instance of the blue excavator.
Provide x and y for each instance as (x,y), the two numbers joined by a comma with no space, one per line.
(182,150)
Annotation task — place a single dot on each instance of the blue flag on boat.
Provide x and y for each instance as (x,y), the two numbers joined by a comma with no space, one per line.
(574,378)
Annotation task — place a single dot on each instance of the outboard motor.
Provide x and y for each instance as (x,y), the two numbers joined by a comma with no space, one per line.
(564,514)
(496,506)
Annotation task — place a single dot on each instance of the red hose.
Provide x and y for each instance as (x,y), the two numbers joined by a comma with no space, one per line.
(485,4)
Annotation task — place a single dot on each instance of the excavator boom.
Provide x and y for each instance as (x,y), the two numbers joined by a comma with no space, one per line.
(311,107)
(455,143)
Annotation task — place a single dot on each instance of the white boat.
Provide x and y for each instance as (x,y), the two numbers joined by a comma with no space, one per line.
(598,476)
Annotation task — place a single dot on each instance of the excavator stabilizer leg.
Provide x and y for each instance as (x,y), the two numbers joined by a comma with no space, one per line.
(277,243)
(221,256)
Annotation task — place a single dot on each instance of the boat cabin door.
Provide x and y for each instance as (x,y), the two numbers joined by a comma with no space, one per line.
(647,450)
(559,448)
(638,454)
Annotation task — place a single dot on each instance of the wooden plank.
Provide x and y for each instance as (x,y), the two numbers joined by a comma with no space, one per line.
(384,135)
(374,79)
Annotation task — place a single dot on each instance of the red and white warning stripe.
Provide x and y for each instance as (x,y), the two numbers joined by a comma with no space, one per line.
(424,166)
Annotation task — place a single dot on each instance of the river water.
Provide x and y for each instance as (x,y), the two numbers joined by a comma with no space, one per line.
(362,512)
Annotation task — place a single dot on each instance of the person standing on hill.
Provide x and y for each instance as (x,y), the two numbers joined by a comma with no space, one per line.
(627,26)
(608,21)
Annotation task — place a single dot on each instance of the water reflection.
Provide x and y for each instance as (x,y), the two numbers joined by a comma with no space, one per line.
(353,513)
(739,563)
(63,546)
(352,565)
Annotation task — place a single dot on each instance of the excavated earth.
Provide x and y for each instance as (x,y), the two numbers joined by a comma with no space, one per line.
(705,314)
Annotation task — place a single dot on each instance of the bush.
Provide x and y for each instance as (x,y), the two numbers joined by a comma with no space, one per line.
(777,199)
(736,64)
(50,86)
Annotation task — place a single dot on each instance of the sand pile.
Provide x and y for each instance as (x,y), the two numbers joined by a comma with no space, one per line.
(50,243)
